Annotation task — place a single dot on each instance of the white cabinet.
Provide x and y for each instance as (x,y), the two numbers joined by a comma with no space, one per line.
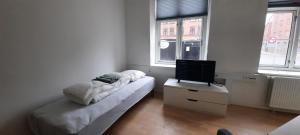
(196,96)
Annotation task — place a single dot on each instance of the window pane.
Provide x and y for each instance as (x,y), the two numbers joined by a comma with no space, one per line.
(191,38)
(297,62)
(167,43)
(276,38)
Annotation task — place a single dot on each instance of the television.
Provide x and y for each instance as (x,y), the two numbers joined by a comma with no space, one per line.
(195,70)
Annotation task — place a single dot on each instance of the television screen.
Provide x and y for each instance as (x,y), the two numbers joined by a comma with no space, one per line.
(195,70)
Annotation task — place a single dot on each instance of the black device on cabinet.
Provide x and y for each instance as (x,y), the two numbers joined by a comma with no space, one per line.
(196,70)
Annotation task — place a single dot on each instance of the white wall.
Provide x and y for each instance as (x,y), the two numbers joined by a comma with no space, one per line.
(235,36)
(236,33)
(138,32)
(46,45)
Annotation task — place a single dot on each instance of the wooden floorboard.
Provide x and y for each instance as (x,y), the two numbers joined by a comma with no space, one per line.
(151,117)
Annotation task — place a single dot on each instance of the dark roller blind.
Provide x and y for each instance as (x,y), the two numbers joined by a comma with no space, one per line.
(168,9)
(284,3)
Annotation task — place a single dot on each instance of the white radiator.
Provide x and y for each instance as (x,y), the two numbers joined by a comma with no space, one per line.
(285,93)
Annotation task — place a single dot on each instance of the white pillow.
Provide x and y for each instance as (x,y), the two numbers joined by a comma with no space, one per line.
(134,74)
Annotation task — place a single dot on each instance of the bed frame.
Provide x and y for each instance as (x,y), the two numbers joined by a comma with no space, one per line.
(102,123)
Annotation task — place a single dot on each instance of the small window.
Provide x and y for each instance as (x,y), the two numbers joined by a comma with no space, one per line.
(172,32)
(192,30)
(183,42)
(167,43)
(297,61)
(279,49)
(165,32)
(191,42)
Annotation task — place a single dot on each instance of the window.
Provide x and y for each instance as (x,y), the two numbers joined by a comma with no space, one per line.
(191,43)
(279,49)
(297,61)
(192,30)
(165,32)
(184,41)
(167,43)
(172,31)
(180,31)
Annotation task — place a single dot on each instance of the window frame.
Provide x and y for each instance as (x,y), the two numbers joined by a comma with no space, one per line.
(179,34)
(293,42)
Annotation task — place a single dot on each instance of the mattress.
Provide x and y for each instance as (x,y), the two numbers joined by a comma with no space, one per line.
(64,117)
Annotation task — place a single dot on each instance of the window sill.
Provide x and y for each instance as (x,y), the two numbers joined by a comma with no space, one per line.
(164,65)
(280,73)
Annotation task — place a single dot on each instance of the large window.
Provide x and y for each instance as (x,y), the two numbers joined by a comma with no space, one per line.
(181,38)
(280,49)
(297,61)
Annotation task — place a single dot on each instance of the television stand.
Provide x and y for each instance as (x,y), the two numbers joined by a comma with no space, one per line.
(196,96)
(178,81)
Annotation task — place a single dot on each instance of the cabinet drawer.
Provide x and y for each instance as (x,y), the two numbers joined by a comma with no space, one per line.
(213,97)
(197,105)
(201,106)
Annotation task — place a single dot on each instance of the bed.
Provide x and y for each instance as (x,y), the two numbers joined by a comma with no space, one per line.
(64,117)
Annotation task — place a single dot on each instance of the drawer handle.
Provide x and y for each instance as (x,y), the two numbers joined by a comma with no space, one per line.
(192,90)
(192,100)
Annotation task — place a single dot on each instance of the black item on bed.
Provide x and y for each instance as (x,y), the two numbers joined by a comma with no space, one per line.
(108,78)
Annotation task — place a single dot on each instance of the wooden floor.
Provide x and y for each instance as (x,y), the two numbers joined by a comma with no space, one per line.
(151,117)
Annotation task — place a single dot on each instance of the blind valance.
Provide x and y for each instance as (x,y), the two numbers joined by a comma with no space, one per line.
(284,3)
(168,9)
